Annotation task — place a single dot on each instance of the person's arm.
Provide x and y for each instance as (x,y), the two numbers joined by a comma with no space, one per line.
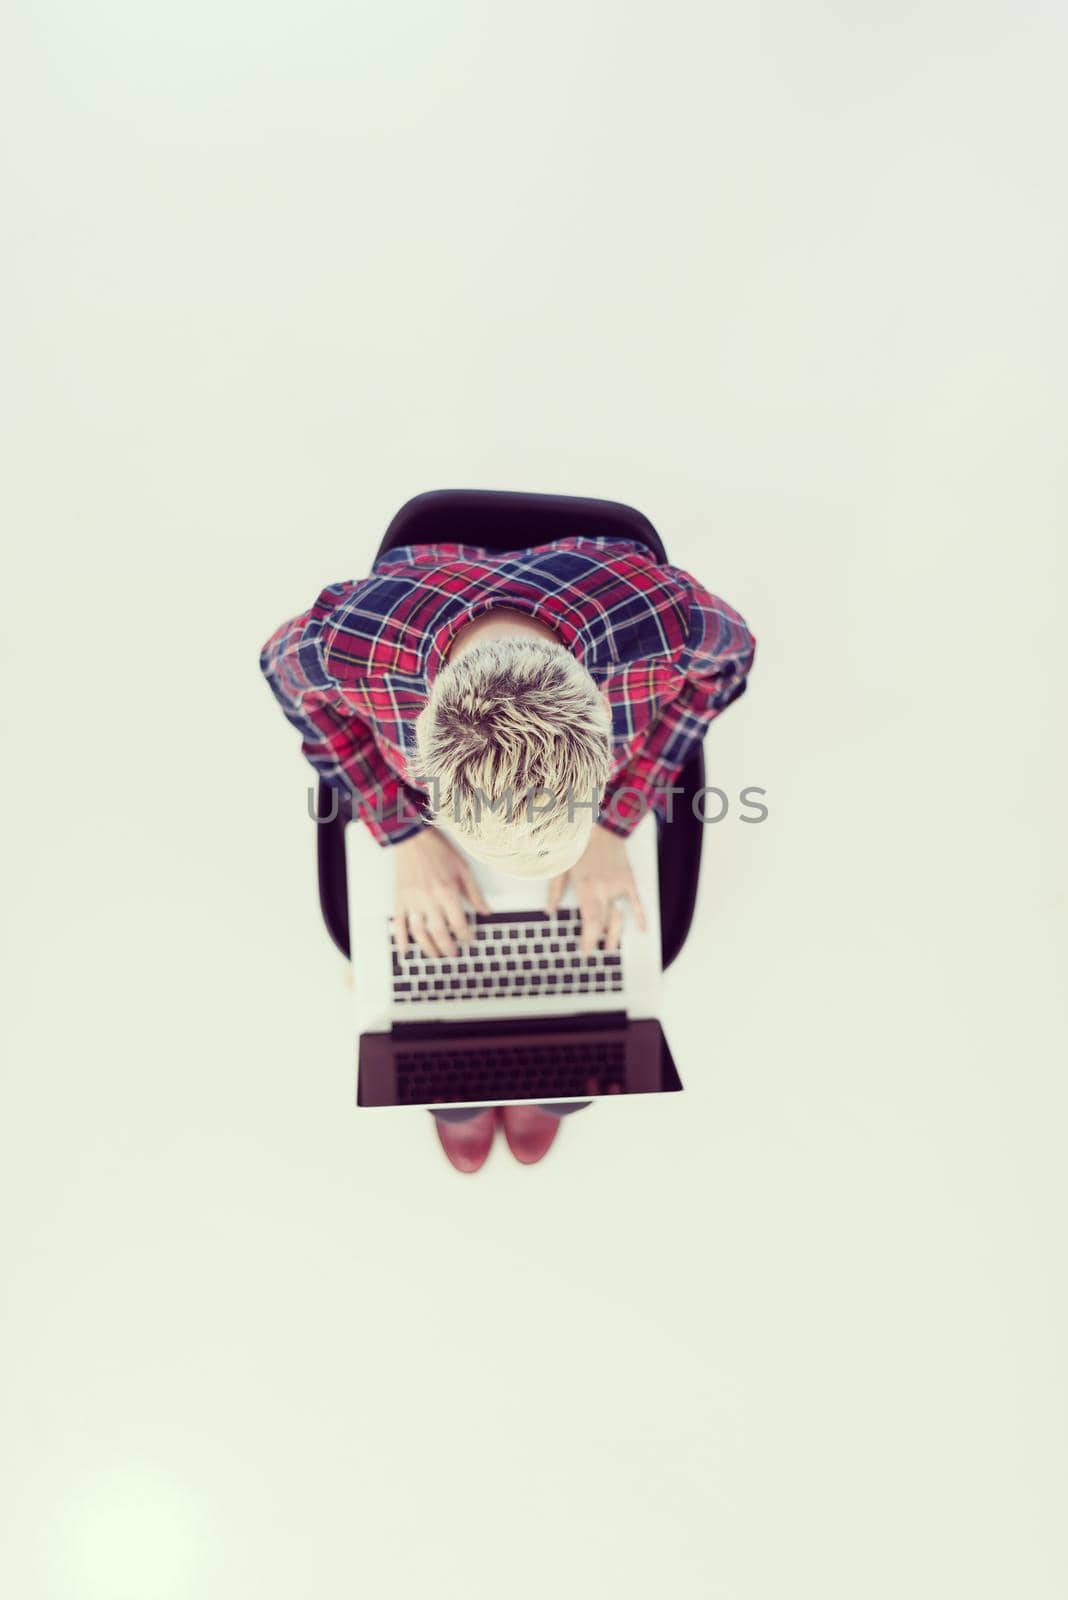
(335,738)
(431,879)
(715,662)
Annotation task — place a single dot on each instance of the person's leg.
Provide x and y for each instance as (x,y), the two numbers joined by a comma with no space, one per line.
(465,1113)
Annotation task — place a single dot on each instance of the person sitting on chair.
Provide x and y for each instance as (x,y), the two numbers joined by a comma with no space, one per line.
(531,705)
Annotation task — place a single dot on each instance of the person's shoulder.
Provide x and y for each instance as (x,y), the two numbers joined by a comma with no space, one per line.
(635,609)
(375,627)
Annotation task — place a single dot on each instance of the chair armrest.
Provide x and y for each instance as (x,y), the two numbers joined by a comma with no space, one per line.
(680,861)
(332,812)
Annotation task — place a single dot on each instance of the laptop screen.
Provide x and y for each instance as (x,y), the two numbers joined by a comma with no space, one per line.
(578,1058)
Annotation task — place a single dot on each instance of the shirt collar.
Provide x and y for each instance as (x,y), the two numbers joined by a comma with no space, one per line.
(554,612)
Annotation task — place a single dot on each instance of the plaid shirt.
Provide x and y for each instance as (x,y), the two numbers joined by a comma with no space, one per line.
(353,673)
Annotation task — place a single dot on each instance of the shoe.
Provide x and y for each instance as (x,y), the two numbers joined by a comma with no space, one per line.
(467,1144)
(529,1131)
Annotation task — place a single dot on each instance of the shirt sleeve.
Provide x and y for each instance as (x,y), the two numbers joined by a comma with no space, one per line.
(334,737)
(718,654)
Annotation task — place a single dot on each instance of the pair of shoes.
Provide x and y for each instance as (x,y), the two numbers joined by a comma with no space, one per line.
(528,1130)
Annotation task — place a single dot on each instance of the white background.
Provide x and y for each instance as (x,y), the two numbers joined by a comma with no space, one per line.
(790,279)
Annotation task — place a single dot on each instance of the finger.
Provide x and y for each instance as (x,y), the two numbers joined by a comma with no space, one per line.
(456,918)
(593,920)
(400,930)
(473,891)
(556,893)
(615,926)
(639,913)
(421,935)
(439,932)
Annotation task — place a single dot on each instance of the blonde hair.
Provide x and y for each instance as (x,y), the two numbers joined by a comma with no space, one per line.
(511,729)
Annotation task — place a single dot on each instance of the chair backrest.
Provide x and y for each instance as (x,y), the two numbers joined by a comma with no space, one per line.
(499,519)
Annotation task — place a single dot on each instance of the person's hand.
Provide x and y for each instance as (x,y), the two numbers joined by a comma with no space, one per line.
(430,881)
(602,879)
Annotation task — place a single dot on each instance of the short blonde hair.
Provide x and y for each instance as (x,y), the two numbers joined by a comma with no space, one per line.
(512,728)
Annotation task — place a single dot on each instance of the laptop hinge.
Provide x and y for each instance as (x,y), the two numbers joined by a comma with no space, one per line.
(580,1022)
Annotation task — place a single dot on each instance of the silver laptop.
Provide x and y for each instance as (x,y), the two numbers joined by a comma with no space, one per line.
(522,1015)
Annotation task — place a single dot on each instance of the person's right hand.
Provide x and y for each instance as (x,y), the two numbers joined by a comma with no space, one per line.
(430,881)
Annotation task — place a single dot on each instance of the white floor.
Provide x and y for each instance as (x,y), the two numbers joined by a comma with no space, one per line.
(790,280)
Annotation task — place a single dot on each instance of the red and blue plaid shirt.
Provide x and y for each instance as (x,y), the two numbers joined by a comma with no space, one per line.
(353,673)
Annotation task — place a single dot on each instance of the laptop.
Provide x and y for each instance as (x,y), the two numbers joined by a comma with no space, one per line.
(520,1017)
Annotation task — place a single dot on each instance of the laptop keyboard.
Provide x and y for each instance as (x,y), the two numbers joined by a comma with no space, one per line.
(537,1071)
(520,955)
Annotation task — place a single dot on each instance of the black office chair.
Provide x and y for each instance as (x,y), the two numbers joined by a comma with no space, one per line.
(504,520)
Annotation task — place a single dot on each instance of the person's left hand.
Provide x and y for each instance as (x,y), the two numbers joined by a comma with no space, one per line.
(602,879)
